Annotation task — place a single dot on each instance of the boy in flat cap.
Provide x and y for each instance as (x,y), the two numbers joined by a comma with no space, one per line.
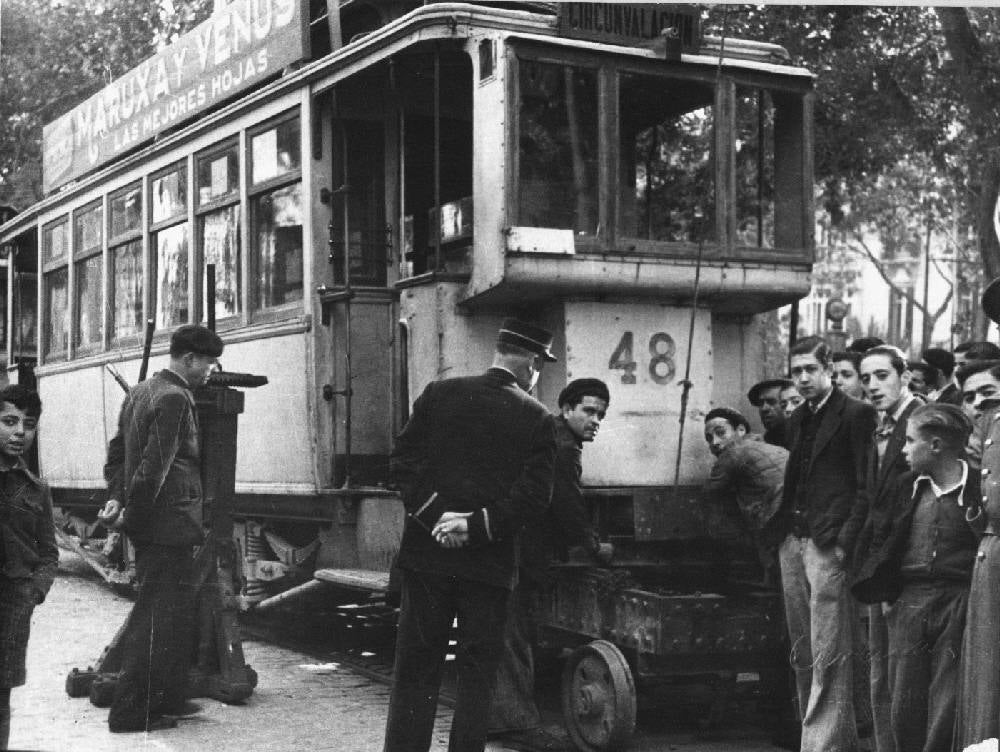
(514,716)
(473,466)
(154,486)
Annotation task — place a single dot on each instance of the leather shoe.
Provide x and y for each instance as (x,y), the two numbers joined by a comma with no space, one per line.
(182,710)
(537,739)
(153,724)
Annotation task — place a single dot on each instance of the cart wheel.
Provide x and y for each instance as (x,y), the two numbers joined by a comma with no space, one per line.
(598,697)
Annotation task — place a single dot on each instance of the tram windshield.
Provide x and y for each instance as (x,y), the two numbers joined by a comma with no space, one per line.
(626,154)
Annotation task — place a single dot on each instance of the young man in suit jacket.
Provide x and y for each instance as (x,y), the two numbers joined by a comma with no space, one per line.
(919,564)
(153,473)
(474,464)
(830,440)
(885,375)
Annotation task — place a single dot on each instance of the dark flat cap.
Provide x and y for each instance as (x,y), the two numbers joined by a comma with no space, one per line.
(577,389)
(864,344)
(762,386)
(526,336)
(197,339)
(942,360)
(991,300)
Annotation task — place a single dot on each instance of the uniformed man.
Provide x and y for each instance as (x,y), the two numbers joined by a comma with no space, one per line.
(154,481)
(766,397)
(473,465)
(514,716)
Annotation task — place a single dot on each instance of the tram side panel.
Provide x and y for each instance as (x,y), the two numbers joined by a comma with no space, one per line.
(274,453)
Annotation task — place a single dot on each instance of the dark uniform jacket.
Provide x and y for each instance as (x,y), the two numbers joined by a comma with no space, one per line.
(950,395)
(154,464)
(881,475)
(879,576)
(832,478)
(567,521)
(27,533)
(476,444)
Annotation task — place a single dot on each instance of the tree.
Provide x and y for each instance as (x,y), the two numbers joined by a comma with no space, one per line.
(895,83)
(53,55)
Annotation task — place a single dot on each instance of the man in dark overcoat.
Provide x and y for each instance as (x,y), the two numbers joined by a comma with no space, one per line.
(886,375)
(474,465)
(830,437)
(154,481)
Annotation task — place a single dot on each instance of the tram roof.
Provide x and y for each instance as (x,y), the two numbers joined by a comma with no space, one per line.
(435,20)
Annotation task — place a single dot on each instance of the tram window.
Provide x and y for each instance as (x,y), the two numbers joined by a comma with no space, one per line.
(219,230)
(54,241)
(220,245)
(275,152)
(126,212)
(56,339)
(364,146)
(218,175)
(558,147)
(169,196)
(171,276)
(87,235)
(666,190)
(277,232)
(754,168)
(126,288)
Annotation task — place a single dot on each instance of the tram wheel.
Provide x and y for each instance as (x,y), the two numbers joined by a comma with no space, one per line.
(598,697)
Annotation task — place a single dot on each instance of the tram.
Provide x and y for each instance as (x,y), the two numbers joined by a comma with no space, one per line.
(376,186)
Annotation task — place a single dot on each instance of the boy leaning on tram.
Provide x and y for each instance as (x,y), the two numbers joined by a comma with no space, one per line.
(473,465)
(154,484)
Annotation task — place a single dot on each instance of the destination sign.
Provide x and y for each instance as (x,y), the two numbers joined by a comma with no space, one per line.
(236,48)
(635,24)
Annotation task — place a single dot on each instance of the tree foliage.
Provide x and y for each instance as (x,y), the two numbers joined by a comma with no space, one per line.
(53,55)
(897,89)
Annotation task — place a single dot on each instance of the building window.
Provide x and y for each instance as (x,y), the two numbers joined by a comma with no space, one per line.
(169,243)
(125,260)
(276,216)
(55,342)
(219,231)
(88,231)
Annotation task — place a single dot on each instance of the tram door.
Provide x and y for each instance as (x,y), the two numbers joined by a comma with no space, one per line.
(363,324)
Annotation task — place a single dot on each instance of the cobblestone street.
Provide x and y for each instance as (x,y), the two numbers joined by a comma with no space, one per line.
(298,704)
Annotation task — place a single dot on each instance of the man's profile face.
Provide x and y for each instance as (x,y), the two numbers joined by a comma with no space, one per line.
(918,382)
(771,413)
(811,377)
(719,433)
(585,418)
(197,368)
(17,431)
(919,449)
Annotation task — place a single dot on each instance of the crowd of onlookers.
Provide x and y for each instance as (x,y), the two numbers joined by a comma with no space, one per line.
(871,496)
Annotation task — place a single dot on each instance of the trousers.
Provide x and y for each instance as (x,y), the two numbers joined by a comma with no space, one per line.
(821,623)
(158,646)
(430,603)
(512,704)
(926,625)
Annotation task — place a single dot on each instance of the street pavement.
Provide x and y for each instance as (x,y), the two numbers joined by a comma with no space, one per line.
(300,703)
